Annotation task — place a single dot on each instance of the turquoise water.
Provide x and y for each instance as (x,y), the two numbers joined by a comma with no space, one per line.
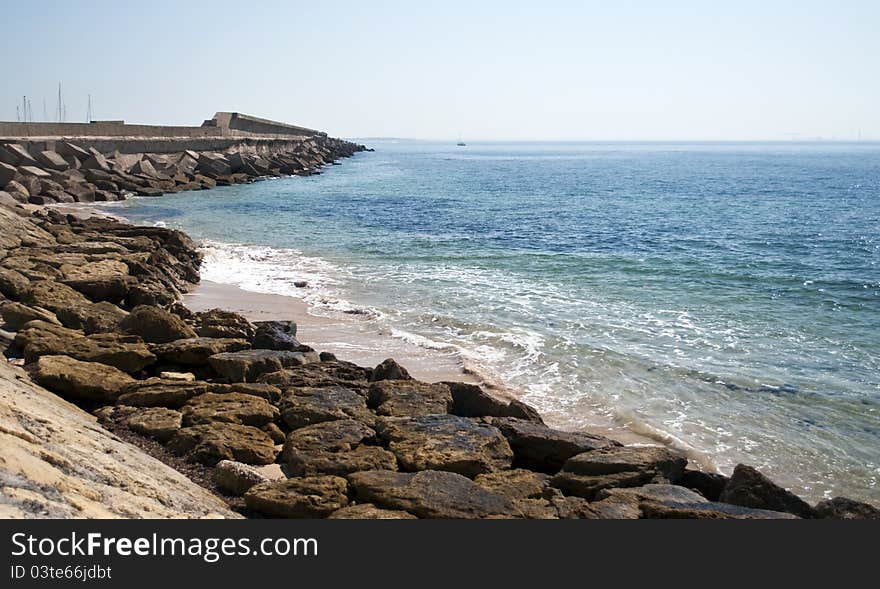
(723,298)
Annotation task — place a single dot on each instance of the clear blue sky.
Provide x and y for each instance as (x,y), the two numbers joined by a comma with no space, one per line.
(553,70)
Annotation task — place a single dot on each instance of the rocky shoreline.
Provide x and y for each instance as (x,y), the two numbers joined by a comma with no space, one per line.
(91,310)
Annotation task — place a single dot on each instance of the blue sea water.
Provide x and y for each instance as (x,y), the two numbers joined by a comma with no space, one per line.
(723,298)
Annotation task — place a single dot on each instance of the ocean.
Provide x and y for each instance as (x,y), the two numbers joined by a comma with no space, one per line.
(723,298)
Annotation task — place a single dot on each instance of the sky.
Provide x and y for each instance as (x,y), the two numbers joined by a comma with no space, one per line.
(579,70)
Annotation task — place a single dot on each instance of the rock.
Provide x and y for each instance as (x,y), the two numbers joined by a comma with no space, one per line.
(212,442)
(39,338)
(248,365)
(12,283)
(180,376)
(334,447)
(16,155)
(114,289)
(7,199)
(708,484)
(17,191)
(223,324)
(429,494)
(80,380)
(843,508)
(749,488)
(321,374)
(302,406)
(390,370)
(277,335)
(213,165)
(300,284)
(401,398)
(156,325)
(707,510)
(228,408)
(369,511)
(145,168)
(197,350)
(307,497)
(50,159)
(237,477)
(610,508)
(7,174)
(514,484)
(95,162)
(330,436)
(445,442)
(653,492)
(538,447)
(53,296)
(157,422)
(276,433)
(16,315)
(93,318)
(588,473)
(257,389)
(469,400)
(34,171)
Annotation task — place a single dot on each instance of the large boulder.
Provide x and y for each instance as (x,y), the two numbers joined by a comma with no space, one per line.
(39,338)
(277,335)
(389,369)
(302,406)
(197,350)
(545,449)
(212,442)
(213,165)
(706,510)
(334,447)
(7,174)
(229,408)
(369,511)
(248,365)
(469,400)
(52,160)
(15,315)
(156,422)
(223,324)
(708,484)
(321,374)
(445,442)
(161,393)
(843,508)
(80,380)
(156,325)
(409,398)
(13,284)
(100,317)
(430,494)
(749,488)
(307,497)
(52,295)
(588,473)
(515,484)
(236,477)
(16,155)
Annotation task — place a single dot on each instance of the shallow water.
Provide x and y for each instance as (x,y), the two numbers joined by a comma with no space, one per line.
(724,298)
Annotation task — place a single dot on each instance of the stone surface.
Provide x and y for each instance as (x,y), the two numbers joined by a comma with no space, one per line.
(236,477)
(223,324)
(197,350)
(157,422)
(749,488)
(515,484)
(429,494)
(369,511)
(707,510)
(307,497)
(445,442)
(321,374)
(156,325)
(57,462)
(80,380)
(13,284)
(541,448)
(708,484)
(161,393)
(248,365)
(390,370)
(469,400)
(210,443)
(228,408)
(302,406)
(277,335)
(843,508)
(401,398)
(588,473)
(15,315)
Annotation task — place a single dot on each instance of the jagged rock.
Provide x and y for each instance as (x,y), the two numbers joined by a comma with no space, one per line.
(330,436)
(277,335)
(258,389)
(708,484)
(16,315)
(248,365)
(369,511)
(212,442)
(12,283)
(15,154)
(95,162)
(144,167)
(159,393)
(80,380)
(39,338)
(707,510)
(541,448)
(652,492)
(213,165)
(307,497)
(157,422)
(223,324)
(237,477)
(588,473)
(92,318)
(843,508)
(445,442)
(229,408)
(430,494)
(334,447)
(401,398)
(321,374)
(749,488)
(197,350)
(53,296)
(156,325)
(514,484)
(390,370)
(7,174)
(302,406)
(17,191)
(50,159)
(34,171)
(469,400)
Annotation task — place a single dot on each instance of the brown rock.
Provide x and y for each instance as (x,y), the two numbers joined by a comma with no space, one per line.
(390,370)
(80,380)
(369,511)
(307,497)
(237,477)
(212,442)
(197,350)
(749,488)
(157,422)
(223,324)
(248,365)
(843,508)
(156,325)
(411,398)
(514,484)
(302,406)
(159,393)
(228,408)
(469,400)
(16,315)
